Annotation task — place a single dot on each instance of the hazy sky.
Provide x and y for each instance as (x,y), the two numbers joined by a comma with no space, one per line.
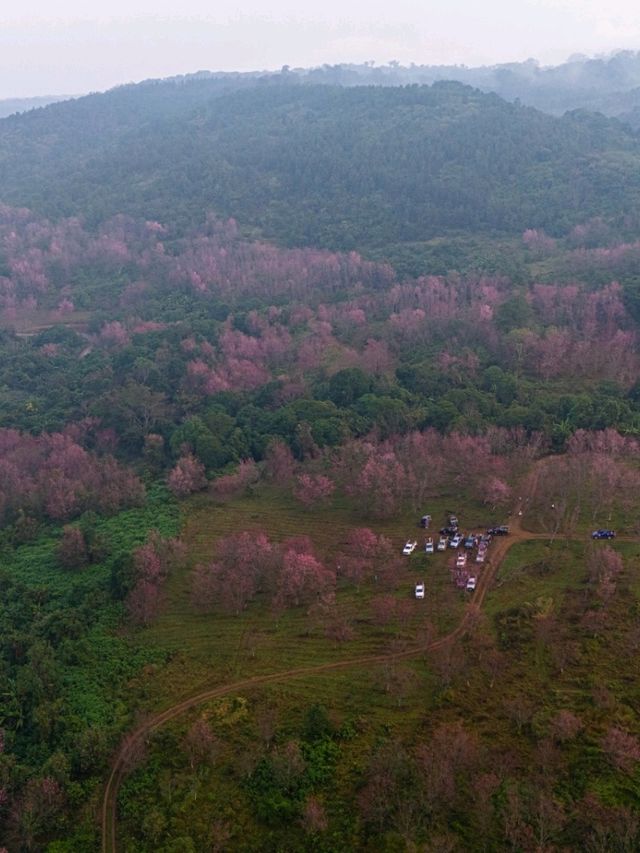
(62,46)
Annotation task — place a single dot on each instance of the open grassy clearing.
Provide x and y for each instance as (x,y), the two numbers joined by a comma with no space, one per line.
(210,649)
(537,569)
(536,651)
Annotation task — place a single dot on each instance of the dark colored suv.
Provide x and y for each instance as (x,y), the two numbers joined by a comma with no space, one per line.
(603,534)
(503,530)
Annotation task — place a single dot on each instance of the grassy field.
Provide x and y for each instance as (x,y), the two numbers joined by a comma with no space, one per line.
(381,703)
(216,648)
(537,650)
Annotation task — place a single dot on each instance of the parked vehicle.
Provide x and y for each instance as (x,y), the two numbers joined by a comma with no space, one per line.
(424,521)
(409,548)
(603,534)
(502,530)
(471,584)
(419,590)
(455,540)
(481,555)
(470,541)
(448,531)
(428,546)
(442,543)
(461,560)
(453,521)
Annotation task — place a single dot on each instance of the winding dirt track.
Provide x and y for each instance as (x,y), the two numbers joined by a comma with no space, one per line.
(121,761)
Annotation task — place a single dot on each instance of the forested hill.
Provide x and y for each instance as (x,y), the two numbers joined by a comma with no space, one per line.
(606,84)
(320,165)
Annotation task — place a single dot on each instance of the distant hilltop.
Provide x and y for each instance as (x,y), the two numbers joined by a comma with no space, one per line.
(607,84)
(11,106)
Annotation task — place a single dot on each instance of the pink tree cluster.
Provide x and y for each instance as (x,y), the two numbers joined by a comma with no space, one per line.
(238,374)
(443,298)
(622,749)
(605,566)
(590,233)
(233,485)
(187,476)
(379,485)
(598,474)
(589,333)
(279,463)
(313,490)
(618,259)
(538,242)
(383,477)
(248,563)
(51,474)
(115,334)
(586,332)
(42,256)
(152,563)
(365,556)
(581,331)
(217,260)
(243,562)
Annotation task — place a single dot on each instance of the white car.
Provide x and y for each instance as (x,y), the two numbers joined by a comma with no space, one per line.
(455,541)
(461,560)
(428,546)
(442,543)
(409,548)
(471,584)
(480,556)
(419,590)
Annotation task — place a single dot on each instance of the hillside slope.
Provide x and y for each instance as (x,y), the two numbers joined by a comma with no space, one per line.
(335,167)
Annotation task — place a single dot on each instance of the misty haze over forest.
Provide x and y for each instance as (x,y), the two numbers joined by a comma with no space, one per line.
(320,429)
(610,85)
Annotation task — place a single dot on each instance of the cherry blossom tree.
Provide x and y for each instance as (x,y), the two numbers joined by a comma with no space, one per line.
(621,748)
(279,463)
(199,743)
(244,562)
(565,726)
(187,476)
(497,492)
(364,554)
(380,485)
(314,815)
(313,490)
(231,485)
(302,580)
